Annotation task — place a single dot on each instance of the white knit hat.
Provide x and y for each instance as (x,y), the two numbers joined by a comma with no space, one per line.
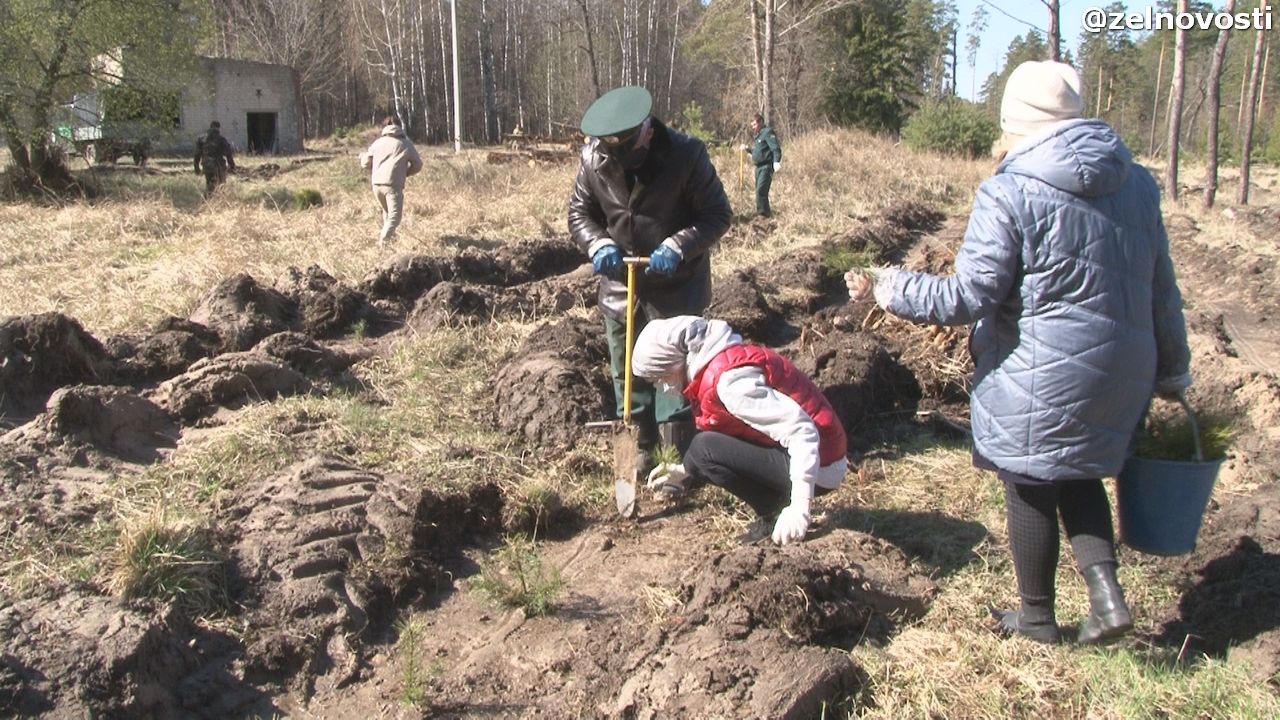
(1039,94)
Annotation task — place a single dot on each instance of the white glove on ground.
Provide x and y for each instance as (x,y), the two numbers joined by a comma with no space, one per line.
(793,523)
(665,475)
(777,167)
(745,148)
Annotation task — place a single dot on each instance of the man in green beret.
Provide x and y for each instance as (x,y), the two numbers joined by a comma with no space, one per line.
(644,189)
(766,155)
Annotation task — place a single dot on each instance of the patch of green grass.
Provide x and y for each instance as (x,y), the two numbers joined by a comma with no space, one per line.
(515,576)
(307,198)
(1131,685)
(170,560)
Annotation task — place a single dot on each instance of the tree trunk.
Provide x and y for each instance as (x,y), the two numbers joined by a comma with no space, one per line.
(1215,107)
(1250,113)
(591,46)
(770,13)
(1175,106)
(1055,33)
(1155,108)
(756,54)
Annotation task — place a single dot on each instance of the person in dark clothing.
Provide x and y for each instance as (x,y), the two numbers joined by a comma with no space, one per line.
(214,157)
(643,189)
(766,155)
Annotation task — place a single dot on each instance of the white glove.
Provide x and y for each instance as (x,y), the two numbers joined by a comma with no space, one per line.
(366,160)
(777,167)
(745,148)
(793,523)
(667,474)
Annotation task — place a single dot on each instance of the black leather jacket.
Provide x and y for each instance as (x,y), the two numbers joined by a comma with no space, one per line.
(677,195)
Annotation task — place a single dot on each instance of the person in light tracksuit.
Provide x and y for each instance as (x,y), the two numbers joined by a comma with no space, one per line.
(766,433)
(390,159)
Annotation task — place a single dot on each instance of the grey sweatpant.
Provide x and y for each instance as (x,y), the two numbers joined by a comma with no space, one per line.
(391,200)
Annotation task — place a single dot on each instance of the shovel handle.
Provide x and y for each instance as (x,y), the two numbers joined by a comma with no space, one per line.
(636,260)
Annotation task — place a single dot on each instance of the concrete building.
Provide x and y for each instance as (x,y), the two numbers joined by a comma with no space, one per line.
(258,104)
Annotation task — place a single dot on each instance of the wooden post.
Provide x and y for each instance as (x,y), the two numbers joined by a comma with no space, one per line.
(1155,108)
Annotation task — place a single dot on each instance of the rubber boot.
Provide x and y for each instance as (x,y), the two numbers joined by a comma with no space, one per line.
(1109,616)
(1034,622)
(677,433)
(646,443)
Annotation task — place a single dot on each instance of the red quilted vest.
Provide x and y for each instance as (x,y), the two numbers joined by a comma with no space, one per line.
(781,375)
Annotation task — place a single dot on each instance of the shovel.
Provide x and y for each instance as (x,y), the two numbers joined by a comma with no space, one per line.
(626,435)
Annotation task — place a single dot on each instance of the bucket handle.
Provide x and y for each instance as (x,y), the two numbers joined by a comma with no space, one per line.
(1195,426)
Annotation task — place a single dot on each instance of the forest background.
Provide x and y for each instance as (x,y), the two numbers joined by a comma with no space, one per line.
(536,64)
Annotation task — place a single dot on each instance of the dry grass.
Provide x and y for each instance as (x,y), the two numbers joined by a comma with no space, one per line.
(154,247)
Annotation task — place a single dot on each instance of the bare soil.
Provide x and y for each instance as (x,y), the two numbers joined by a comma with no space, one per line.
(661,617)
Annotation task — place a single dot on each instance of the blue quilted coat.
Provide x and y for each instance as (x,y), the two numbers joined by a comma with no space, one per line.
(1065,273)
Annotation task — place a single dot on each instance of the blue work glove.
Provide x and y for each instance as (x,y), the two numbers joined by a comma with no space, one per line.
(608,262)
(663,261)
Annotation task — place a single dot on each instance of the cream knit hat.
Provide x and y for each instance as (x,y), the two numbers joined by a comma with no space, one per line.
(1039,94)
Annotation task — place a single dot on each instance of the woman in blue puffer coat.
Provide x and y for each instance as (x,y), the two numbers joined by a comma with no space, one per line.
(1065,274)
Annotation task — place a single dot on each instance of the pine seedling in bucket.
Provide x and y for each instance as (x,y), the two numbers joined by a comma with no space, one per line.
(1163,490)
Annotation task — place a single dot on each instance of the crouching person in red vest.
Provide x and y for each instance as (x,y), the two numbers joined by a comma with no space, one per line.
(766,432)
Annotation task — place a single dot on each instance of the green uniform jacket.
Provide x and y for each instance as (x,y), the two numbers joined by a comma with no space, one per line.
(766,150)
(676,195)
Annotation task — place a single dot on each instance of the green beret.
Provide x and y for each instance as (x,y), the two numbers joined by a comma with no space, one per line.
(617,111)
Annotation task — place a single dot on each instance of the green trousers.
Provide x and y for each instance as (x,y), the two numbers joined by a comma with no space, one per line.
(764,179)
(648,405)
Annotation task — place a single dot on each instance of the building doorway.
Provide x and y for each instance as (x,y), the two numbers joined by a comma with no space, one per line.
(261,128)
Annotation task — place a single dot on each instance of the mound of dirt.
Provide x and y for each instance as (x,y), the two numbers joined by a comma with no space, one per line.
(889,235)
(41,353)
(326,308)
(801,283)
(406,277)
(518,263)
(751,638)
(555,383)
(327,551)
(242,312)
(109,420)
(73,655)
(229,380)
(740,302)
(308,356)
(451,304)
(553,295)
(175,345)
(863,381)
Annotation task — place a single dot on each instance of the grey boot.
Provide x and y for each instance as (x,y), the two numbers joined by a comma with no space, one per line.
(1109,616)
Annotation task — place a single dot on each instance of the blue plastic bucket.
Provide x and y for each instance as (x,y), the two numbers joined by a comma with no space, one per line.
(1162,503)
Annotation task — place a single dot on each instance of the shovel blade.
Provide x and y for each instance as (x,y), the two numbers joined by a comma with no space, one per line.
(625,454)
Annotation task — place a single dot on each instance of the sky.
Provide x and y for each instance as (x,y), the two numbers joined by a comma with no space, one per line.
(1002,28)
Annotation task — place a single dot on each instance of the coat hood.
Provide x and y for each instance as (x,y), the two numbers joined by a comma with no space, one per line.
(685,341)
(392,131)
(1083,157)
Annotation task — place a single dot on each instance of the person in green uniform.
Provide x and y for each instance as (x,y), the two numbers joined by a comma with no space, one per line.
(643,189)
(766,154)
